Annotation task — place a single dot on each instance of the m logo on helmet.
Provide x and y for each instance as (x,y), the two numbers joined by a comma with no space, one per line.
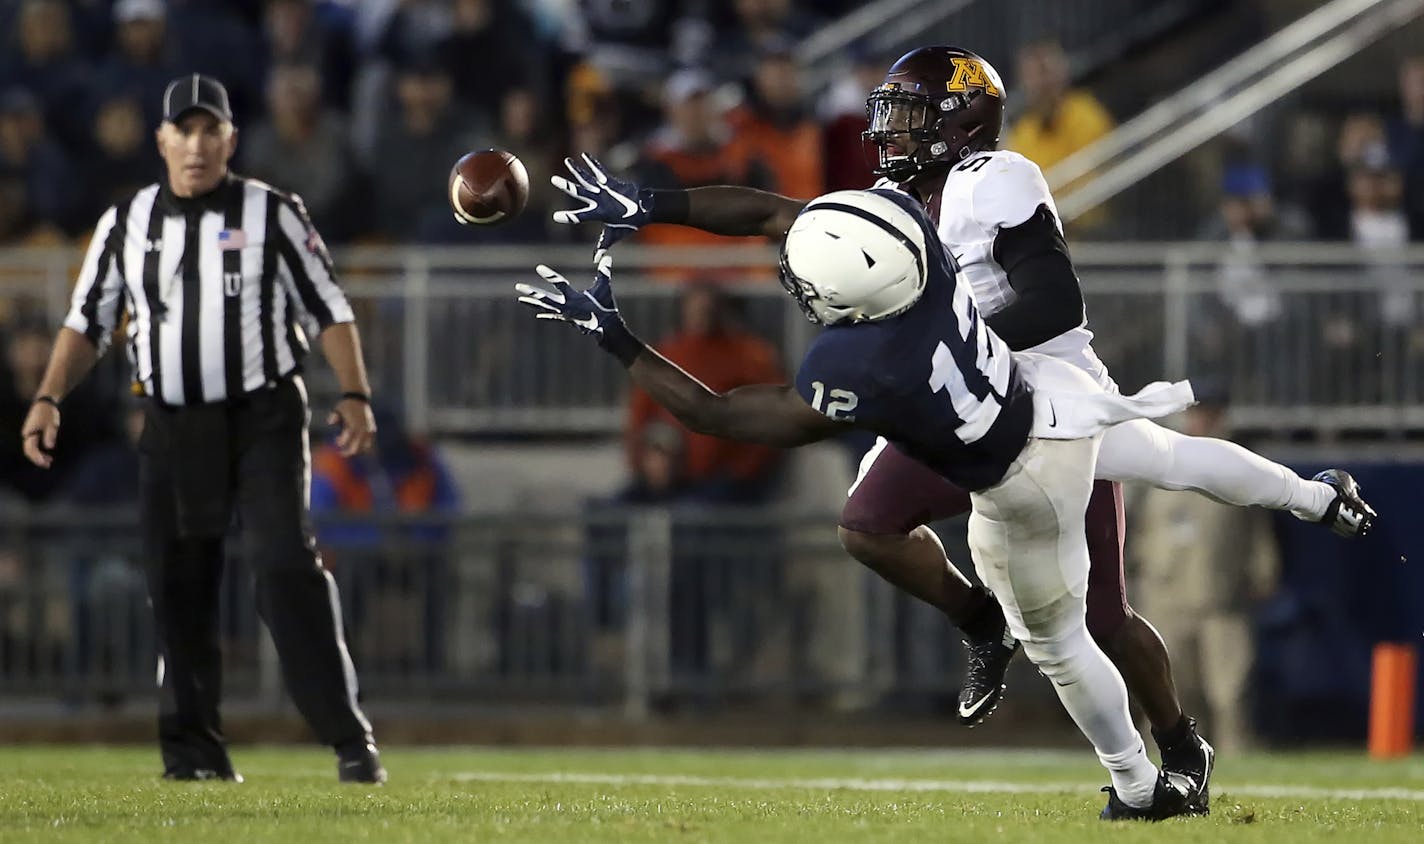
(968,74)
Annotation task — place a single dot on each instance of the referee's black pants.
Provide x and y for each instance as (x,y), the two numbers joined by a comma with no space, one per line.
(268,478)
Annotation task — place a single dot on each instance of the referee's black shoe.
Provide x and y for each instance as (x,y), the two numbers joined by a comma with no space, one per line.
(187,774)
(360,762)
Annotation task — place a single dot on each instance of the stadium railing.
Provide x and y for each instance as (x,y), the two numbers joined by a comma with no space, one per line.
(1307,338)
(624,609)
(634,612)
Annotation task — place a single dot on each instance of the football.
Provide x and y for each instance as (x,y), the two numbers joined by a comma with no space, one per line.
(488,187)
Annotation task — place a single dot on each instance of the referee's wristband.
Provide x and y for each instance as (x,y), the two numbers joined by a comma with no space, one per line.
(364,398)
(50,400)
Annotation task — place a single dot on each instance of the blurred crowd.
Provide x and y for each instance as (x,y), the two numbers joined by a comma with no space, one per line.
(1365,187)
(362,107)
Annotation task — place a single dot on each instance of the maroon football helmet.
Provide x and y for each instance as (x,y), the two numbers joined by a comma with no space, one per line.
(937,106)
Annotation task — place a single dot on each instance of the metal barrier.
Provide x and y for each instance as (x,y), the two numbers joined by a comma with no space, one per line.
(1307,336)
(626,609)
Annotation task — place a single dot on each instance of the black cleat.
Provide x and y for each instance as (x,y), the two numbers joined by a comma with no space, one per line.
(1173,797)
(983,686)
(1348,514)
(1193,758)
(360,764)
(186,774)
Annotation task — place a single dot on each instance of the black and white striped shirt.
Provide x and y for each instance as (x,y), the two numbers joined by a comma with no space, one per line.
(220,290)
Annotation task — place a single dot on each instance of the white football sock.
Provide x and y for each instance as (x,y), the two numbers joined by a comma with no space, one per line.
(1093,693)
(1311,499)
(1134,777)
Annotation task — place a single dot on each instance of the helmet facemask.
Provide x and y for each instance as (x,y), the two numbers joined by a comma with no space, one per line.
(800,289)
(908,131)
(903,130)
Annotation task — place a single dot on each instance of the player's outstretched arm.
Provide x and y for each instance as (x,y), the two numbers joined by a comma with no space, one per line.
(763,413)
(740,212)
(623,207)
(768,414)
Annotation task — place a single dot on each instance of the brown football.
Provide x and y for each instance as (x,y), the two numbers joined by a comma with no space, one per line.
(488,187)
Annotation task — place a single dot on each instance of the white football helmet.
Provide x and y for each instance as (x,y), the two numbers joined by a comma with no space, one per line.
(853,256)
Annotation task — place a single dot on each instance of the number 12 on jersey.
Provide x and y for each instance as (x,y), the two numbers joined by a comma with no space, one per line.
(841,405)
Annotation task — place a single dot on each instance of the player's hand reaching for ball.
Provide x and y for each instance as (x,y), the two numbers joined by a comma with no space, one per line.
(620,205)
(594,310)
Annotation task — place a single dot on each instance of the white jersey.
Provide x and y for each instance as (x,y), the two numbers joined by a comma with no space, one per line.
(984,193)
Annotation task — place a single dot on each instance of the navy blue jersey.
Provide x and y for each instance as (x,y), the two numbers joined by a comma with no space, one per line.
(934,380)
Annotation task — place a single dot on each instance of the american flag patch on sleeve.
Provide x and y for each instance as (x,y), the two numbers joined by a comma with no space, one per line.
(231,239)
(315,244)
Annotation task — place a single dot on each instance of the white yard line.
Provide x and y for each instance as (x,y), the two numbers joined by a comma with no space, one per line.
(920,785)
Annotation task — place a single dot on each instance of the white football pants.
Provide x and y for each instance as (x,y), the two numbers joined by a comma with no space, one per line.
(1027,538)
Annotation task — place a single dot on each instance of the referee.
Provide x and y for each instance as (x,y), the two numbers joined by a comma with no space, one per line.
(221,279)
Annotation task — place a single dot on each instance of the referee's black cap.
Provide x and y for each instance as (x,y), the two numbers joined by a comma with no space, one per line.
(196,90)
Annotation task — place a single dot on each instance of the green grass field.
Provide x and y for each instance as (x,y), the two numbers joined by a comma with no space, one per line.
(472,794)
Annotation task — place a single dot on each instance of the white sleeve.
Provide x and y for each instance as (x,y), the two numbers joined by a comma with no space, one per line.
(310,277)
(94,307)
(1008,191)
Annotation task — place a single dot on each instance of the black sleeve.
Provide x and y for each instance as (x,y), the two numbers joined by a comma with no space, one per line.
(1049,300)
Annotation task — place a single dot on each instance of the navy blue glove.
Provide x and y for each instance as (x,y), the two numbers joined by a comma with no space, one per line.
(594,310)
(620,205)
